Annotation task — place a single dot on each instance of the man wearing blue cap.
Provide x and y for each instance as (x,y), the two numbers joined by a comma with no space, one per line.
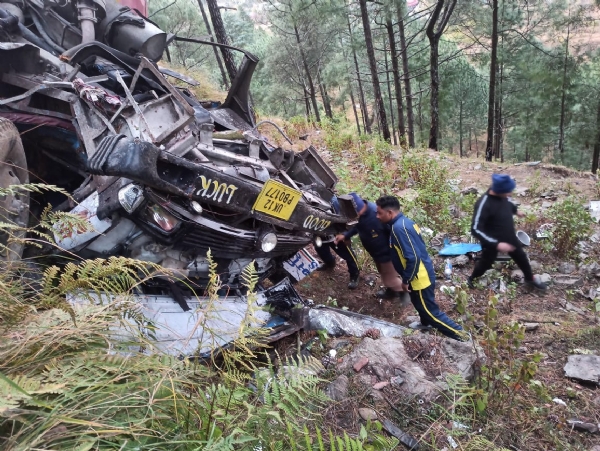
(493,225)
(374,236)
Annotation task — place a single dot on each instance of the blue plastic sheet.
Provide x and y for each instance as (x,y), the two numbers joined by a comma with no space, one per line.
(459,249)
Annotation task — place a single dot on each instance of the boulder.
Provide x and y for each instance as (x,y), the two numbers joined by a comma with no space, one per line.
(367,414)
(460,260)
(390,356)
(517,275)
(567,268)
(568,281)
(545,278)
(583,367)
(338,389)
(535,265)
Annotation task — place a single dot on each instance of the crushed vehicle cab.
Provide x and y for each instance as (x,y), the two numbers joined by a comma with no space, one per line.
(161,175)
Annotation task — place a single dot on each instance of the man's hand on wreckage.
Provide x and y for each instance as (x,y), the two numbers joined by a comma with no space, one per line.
(339,238)
(505,247)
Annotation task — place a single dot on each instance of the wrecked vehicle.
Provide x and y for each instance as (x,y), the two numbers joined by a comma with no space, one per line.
(160,175)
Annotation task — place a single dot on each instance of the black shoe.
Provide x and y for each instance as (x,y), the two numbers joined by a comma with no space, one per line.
(534,284)
(326,266)
(470,283)
(387,293)
(353,285)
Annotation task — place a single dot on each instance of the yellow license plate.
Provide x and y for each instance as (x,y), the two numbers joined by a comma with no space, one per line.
(278,200)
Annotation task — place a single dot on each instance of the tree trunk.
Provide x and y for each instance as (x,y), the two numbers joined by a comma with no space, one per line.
(309,79)
(435,28)
(596,156)
(420,112)
(410,119)
(361,92)
(397,85)
(460,129)
(561,127)
(324,96)
(217,21)
(489,151)
(470,148)
(374,73)
(476,145)
(389,89)
(354,109)
(434,94)
(215,49)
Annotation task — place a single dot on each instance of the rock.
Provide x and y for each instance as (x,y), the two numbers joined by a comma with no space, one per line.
(367,414)
(595,448)
(461,260)
(589,269)
(522,350)
(567,268)
(546,204)
(572,308)
(360,364)
(568,281)
(584,368)
(545,278)
(469,190)
(529,327)
(380,385)
(535,265)
(380,372)
(397,380)
(391,355)
(477,167)
(412,319)
(517,275)
(338,389)
(581,426)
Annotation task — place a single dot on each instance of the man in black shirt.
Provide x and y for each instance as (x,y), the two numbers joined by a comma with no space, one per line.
(493,225)
(374,236)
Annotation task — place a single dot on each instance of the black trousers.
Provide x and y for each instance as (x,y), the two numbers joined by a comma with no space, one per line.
(345,252)
(488,257)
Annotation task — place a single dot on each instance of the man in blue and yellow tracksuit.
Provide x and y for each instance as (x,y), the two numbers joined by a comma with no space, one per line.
(412,262)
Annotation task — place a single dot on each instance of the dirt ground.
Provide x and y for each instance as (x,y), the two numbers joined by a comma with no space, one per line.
(560,332)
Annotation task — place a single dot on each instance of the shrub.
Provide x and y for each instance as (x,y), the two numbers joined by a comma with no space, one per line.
(571,223)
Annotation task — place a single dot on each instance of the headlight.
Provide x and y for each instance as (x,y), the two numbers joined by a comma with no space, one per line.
(130,197)
(318,241)
(268,241)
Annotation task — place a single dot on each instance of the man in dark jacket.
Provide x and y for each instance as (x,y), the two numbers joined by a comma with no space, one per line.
(412,262)
(344,250)
(493,225)
(374,236)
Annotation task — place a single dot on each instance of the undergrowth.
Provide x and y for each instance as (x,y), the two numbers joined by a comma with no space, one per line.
(80,369)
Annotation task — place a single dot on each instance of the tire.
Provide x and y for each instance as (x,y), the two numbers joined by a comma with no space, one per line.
(14,207)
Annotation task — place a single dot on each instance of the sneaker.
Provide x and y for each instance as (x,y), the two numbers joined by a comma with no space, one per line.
(470,283)
(353,285)
(327,266)
(416,325)
(534,284)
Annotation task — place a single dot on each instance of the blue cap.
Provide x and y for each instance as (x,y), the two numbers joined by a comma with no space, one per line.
(503,183)
(357,202)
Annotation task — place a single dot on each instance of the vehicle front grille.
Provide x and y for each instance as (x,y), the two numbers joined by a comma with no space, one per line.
(198,239)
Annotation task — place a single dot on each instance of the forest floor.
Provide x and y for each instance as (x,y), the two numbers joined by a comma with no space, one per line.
(531,421)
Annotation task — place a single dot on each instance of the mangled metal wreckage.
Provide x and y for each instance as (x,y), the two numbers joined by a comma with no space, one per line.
(161,175)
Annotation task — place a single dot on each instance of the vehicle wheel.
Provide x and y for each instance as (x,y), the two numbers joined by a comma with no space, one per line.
(14,207)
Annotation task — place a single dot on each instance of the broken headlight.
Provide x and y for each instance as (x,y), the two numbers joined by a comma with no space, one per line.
(164,220)
(130,197)
(267,242)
